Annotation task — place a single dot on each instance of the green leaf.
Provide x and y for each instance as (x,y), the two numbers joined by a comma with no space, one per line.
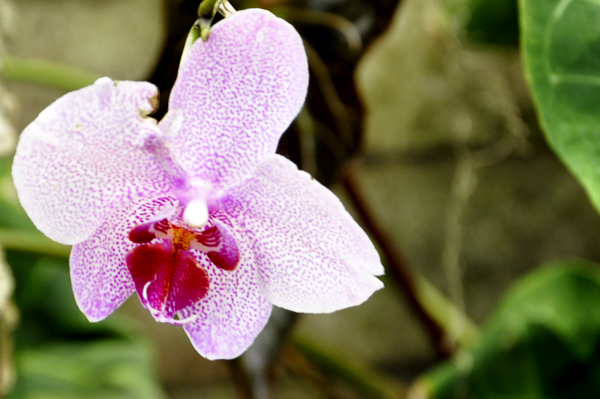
(561,47)
(542,342)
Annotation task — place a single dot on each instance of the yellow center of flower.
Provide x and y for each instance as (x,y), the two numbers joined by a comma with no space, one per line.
(182,237)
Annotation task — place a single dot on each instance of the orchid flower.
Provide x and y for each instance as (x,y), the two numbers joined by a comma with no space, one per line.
(196,213)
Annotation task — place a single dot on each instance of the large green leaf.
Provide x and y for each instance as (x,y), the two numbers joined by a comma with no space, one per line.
(542,342)
(561,46)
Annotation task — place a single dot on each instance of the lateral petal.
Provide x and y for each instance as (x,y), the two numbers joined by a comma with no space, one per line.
(87,154)
(235,95)
(99,275)
(312,257)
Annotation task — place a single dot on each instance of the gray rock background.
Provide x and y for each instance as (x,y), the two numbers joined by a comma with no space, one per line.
(118,38)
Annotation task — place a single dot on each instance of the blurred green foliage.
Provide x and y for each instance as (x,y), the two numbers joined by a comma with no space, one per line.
(102,369)
(542,342)
(494,21)
(60,354)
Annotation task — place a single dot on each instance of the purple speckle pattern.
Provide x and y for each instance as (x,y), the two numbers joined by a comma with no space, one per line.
(84,156)
(92,170)
(311,255)
(99,274)
(236,94)
(233,312)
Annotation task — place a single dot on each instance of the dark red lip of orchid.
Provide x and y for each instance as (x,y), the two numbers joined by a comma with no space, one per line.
(167,279)
(141,234)
(166,274)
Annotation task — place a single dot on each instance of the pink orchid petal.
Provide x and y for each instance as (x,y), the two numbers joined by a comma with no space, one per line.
(312,256)
(235,96)
(234,311)
(99,275)
(86,155)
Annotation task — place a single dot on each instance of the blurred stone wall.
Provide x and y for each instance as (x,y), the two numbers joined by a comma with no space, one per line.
(458,174)
(122,39)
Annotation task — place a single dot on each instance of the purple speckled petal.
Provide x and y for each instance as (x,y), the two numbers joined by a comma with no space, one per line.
(99,274)
(87,154)
(235,95)
(312,257)
(233,312)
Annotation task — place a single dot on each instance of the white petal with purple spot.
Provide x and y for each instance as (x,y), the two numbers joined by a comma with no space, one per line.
(311,255)
(235,95)
(99,275)
(90,152)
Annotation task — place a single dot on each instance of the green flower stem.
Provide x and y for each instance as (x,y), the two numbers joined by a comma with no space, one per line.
(349,369)
(31,242)
(445,313)
(193,35)
(201,28)
(436,381)
(44,72)
(207,9)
